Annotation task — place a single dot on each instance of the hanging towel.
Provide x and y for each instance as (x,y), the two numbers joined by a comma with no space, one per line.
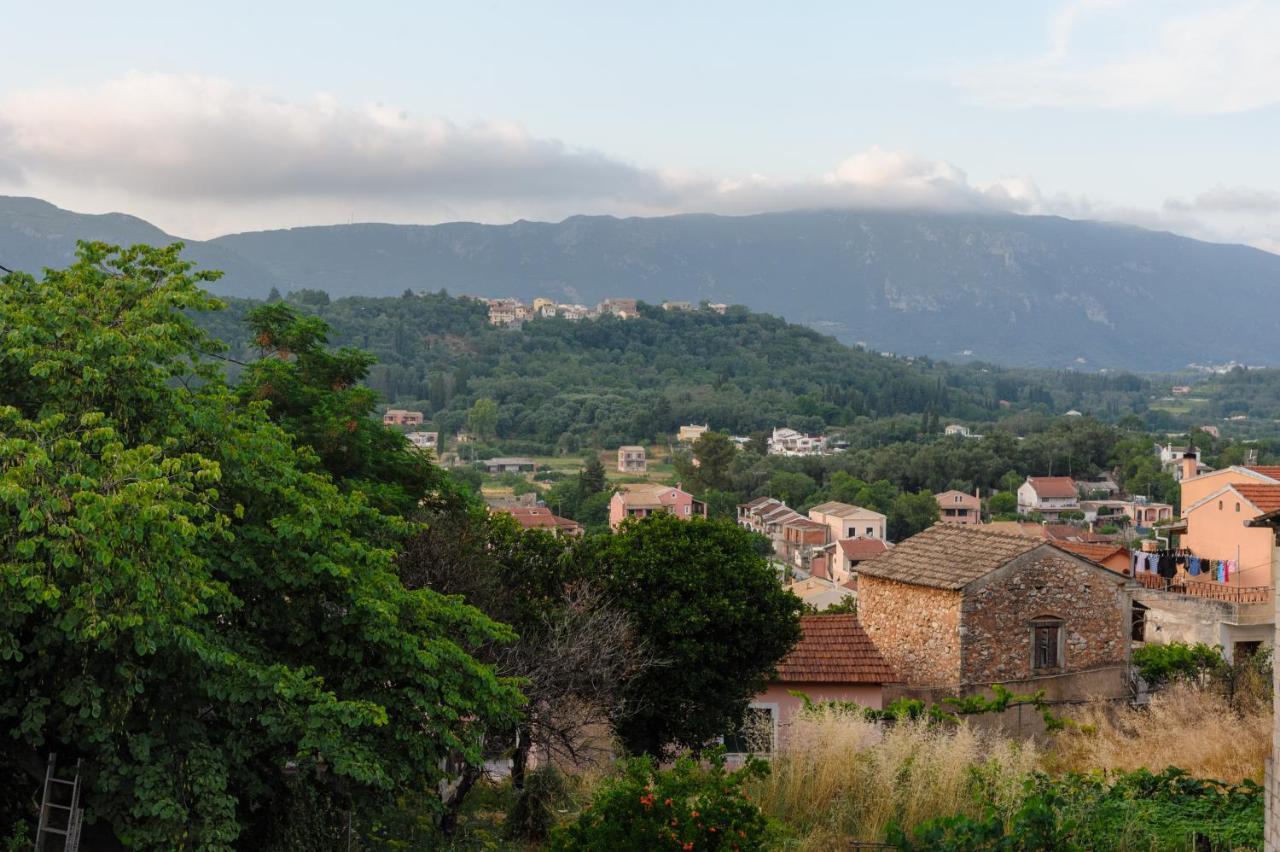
(1193,566)
(1134,561)
(1226,571)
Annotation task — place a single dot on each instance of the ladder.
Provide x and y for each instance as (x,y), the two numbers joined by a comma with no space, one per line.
(60,813)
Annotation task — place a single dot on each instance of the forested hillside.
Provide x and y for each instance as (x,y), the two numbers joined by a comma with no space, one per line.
(604,382)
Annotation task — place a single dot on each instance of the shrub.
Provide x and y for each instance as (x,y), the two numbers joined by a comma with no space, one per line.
(689,806)
(532,813)
(1140,810)
(1159,664)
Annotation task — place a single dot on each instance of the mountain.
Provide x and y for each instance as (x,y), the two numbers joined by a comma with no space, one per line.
(1021,290)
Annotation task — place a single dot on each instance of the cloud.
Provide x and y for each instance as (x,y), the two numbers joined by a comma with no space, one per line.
(182,137)
(1110,55)
(200,157)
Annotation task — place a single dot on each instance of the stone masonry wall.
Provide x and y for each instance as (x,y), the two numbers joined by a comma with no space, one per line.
(998,610)
(916,628)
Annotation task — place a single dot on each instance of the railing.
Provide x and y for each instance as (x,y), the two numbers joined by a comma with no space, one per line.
(1211,591)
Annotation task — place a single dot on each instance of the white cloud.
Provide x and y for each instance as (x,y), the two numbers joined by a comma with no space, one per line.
(200,157)
(1213,59)
(184,137)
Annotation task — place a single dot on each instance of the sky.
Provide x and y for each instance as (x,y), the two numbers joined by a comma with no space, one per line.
(211,118)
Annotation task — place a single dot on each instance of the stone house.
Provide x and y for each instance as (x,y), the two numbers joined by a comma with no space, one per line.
(692,432)
(958,608)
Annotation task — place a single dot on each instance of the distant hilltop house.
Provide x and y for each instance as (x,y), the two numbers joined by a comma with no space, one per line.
(957,507)
(718,307)
(1211,430)
(621,308)
(1048,495)
(1181,390)
(510,464)
(632,460)
(788,442)
(689,434)
(677,306)
(962,431)
(424,440)
(640,500)
(1073,413)
(400,417)
(508,312)
(955,609)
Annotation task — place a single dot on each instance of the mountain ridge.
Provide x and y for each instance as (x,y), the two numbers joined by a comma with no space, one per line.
(1021,290)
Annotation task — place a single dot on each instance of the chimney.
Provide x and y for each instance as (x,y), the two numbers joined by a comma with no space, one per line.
(1189,464)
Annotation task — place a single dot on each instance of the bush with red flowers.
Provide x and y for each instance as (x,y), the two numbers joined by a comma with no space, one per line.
(691,806)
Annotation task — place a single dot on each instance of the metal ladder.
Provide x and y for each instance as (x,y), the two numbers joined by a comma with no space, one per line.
(60,811)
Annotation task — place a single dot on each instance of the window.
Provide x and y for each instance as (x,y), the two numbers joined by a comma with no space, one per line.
(871,531)
(1219,505)
(1138,623)
(1237,507)
(1046,644)
(757,733)
(956,499)
(688,509)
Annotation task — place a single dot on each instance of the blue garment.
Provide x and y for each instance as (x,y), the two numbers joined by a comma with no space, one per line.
(1193,566)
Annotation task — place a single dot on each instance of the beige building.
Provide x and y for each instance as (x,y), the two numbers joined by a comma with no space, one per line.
(957,507)
(849,521)
(632,460)
(689,434)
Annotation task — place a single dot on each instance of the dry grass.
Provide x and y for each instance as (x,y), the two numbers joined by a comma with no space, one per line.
(843,778)
(1186,726)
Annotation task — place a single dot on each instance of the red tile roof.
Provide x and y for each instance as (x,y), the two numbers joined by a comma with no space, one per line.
(1093,551)
(834,649)
(1053,487)
(1265,497)
(540,517)
(1269,470)
(862,548)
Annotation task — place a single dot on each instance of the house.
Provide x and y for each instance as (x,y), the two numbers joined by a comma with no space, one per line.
(801,537)
(1211,430)
(638,500)
(1107,554)
(1180,390)
(834,660)
(958,608)
(789,442)
(821,593)
(751,515)
(848,553)
(960,431)
(1140,512)
(542,518)
(510,464)
(677,306)
(400,417)
(632,460)
(718,307)
(849,521)
(507,312)
(574,312)
(424,440)
(621,308)
(1048,495)
(691,433)
(1073,413)
(1172,457)
(1217,527)
(1104,488)
(956,507)
(544,308)
(463,437)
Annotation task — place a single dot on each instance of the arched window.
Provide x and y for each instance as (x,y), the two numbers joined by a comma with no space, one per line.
(1046,643)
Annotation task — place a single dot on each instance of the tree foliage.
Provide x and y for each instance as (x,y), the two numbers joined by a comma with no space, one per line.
(712,615)
(188,600)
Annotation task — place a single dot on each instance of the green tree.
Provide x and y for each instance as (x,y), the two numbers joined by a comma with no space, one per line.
(591,479)
(482,419)
(714,453)
(188,601)
(709,609)
(912,513)
(1002,503)
(791,487)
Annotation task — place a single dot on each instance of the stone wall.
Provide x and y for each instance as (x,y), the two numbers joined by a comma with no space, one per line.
(916,628)
(998,610)
(1173,617)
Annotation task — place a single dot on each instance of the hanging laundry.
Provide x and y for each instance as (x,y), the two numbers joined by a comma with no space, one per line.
(1168,568)
(1226,571)
(1193,566)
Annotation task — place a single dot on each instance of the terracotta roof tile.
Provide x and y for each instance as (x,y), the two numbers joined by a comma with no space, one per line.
(1093,551)
(1268,470)
(1053,487)
(834,649)
(862,548)
(948,556)
(1265,497)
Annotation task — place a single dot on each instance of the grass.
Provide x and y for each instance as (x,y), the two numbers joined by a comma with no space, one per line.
(1196,729)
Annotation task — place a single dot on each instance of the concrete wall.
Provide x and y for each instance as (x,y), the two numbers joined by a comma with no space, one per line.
(916,628)
(1195,490)
(779,697)
(1093,605)
(1180,618)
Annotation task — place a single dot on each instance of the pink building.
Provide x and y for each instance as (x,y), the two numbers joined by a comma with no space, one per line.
(956,507)
(639,500)
(834,660)
(400,417)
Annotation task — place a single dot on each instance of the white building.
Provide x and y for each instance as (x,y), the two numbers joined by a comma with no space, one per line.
(424,440)
(1048,495)
(789,442)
